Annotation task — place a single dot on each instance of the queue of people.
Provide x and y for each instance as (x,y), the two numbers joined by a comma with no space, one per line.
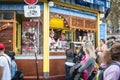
(108,65)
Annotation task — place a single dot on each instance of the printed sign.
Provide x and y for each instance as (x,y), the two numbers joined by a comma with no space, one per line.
(103,31)
(32,11)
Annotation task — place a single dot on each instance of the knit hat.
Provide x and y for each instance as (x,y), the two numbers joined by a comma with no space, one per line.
(2,46)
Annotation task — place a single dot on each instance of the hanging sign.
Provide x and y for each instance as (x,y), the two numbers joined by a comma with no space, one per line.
(32,11)
(31,2)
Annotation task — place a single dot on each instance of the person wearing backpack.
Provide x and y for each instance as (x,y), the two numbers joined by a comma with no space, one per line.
(113,71)
(15,73)
(5,64)
(11,54)
(105,59)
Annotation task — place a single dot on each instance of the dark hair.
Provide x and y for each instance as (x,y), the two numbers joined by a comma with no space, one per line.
(113,37)
(11,54)
(103,40)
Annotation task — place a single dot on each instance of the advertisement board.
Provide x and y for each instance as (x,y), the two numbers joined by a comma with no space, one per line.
(103,31)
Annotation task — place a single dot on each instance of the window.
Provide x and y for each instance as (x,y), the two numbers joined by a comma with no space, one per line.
(6,15)
(6,35)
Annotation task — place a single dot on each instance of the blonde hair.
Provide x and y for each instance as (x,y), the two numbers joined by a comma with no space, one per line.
(89,49)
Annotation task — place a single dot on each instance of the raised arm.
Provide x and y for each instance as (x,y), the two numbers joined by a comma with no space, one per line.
(86,65)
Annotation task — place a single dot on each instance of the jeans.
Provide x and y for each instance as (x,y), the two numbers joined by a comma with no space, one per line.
(67,68)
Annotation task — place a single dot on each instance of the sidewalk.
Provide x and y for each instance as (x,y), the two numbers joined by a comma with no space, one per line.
(51,78)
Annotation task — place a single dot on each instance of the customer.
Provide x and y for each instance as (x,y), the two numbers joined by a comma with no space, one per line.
(69,60)
(102,47)
(79,56)
(5,64)
(113,71)
(105,59)
(111,40)
(11,54)
(88,64)
(52,42)
(105,62)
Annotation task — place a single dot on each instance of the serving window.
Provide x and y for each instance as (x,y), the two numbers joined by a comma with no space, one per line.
(61,38)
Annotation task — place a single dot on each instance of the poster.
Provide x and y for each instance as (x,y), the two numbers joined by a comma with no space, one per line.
(29,35)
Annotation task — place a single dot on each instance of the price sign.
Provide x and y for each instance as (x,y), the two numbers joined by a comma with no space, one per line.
(32,11)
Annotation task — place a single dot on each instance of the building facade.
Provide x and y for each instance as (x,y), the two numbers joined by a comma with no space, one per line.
(29,36)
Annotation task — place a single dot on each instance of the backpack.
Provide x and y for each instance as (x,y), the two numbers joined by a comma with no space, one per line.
(18,75)
(100,73)
(94,72)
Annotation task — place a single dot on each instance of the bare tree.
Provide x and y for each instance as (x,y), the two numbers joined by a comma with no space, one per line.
(114,16)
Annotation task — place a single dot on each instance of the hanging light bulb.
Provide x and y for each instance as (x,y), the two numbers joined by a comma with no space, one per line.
(50,3)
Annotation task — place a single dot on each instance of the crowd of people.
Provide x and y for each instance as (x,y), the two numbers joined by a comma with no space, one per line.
(85,63)
(102,63)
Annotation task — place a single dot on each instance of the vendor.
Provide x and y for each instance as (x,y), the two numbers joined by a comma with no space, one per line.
(62,41)
(52,42)
(62,37)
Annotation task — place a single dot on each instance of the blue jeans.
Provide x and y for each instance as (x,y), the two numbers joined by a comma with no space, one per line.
(67,68)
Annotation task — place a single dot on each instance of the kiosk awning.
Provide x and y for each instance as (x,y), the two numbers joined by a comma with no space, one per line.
(56,23)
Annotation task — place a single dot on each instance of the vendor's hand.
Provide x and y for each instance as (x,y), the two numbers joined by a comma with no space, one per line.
(52,43)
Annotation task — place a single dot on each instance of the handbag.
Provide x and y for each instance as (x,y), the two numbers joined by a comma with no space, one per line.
(18,75)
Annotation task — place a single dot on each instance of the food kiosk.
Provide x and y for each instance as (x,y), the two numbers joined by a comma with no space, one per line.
(30,36)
